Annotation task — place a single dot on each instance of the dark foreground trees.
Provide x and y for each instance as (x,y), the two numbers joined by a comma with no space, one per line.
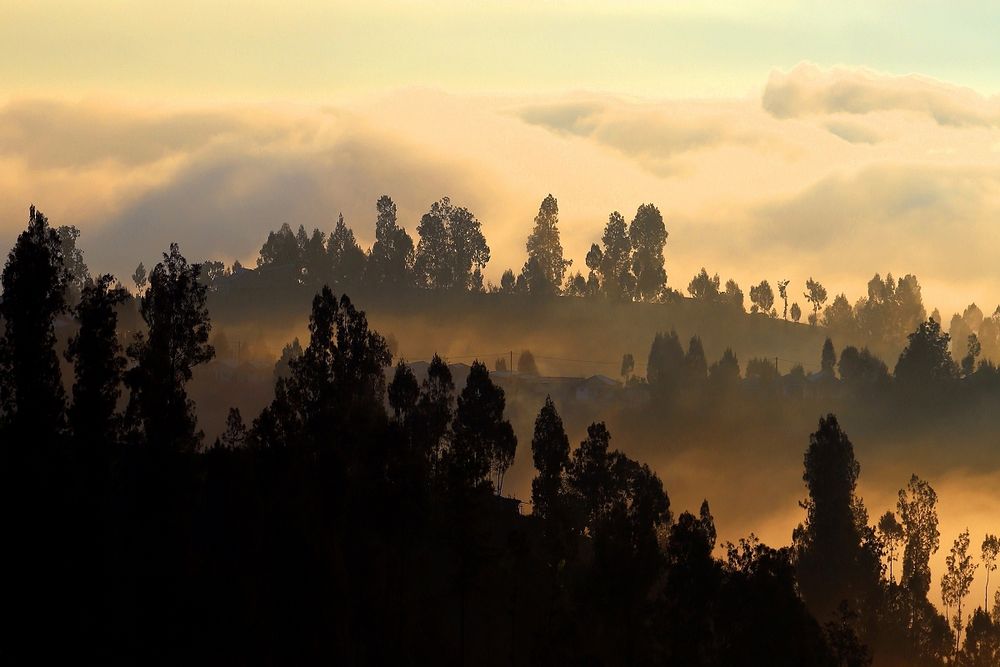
(360,523)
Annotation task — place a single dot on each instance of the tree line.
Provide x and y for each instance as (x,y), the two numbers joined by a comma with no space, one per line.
(361,520)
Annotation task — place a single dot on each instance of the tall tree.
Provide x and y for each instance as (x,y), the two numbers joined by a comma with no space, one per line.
(833,564)
(345,256)
(891,534)
(783,294)
(816,295)
(648,236)
(550,453)
(34,293)
(665,365)
(544,246)
(917,508)
(175,313)
(77,273)
(990,554)
(391,259)
(828,357)
(617,279)
(98,363)
(451,244)
(484,443)
(958,580)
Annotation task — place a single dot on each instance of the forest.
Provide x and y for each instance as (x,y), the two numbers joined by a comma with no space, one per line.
(370,510)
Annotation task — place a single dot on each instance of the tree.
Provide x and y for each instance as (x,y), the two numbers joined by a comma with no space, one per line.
(990,554)
(665,363)
(340,376)
(833,564)
(917,507)
(235,435)
(483,442)
(174,310)
(543,244)
(34,293)
(391,258)
(281,250)
(403,393)
(795,312)
(982,642)
(345,257)
(98,363)
(926,360)
(628,366)
(451,244)
(733,295)
(816,295)
(762,298)
(839,316)
(891,534)
(615,270)
(695,364)
(861,368)
(705,288)
(958,580)
(77,273)
(724,374)
(783,293)
(526,363)
(550,454)
(828,359)
(139,278)
(594,260)
(975,348)
(648,235)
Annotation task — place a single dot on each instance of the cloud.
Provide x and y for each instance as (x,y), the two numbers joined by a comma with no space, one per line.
(215,181)
(45,134)
(854,133)
(930,220)
(808,90)
(653,135)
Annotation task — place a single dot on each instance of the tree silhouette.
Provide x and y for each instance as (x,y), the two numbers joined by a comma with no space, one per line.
(34,285)
(891,534)
(828,358)
(98,364)
(544,247)
(140,278)
(733,295)
(795,312)
(783,294)
(816,295)
(665,363)
(833,565)
(451,244)
(917,508)
(391,259)
(550,454)
(957,581)
(703,287)
(648,235)
(483,441)
(173,308)
(346,258)
(77,273)
(926,360)
(762,298)
(990,553)
(628,366)
(617,279)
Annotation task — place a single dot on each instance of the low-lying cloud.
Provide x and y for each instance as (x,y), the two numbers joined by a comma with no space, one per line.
(808,90)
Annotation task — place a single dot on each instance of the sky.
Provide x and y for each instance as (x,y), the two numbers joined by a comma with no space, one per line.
(779,139)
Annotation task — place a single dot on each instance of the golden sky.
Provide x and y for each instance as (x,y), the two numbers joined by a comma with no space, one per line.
(780,139)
